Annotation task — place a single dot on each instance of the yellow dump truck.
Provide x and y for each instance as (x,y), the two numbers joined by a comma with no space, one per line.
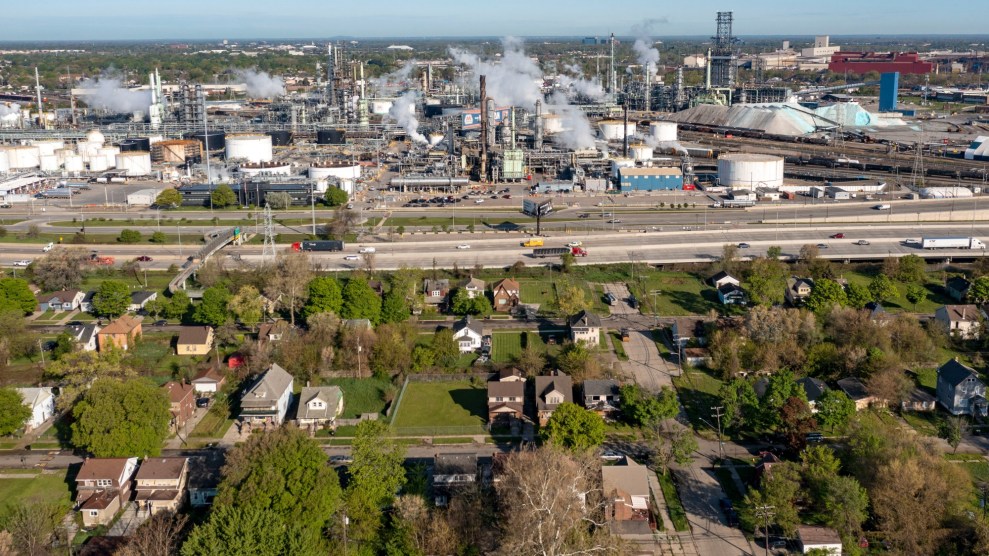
(532,242)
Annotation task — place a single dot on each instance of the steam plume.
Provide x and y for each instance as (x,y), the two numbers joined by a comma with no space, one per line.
(260,84)
(401,112)
(577,132)
(514,80)
(397,80)
(108,93)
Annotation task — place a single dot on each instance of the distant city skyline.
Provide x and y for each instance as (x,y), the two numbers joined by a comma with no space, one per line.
(243,19)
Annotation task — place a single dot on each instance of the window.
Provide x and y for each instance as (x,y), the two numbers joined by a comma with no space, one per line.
(94,513)
(104,482)
(499,399)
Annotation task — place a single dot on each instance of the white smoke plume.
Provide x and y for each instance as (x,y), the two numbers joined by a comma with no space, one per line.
(663,146)
(591,90)
(260,84)
(402,112)
(397,80)
(515,79)
(647,55)
(9,109)
(108,93)
(577,132)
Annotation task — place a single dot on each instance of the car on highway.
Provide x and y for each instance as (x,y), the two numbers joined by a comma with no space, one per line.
(839,235)
(862,242)
(478,201)
(822,245)
(743,245)
(882,207)
(575,243)
(351,258)
(463,246)
(22,262)
(364,250)
(584,215)
(506,196)
(614,221)
(144,259)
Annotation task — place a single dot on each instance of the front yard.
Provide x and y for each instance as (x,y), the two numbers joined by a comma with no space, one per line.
(438,405)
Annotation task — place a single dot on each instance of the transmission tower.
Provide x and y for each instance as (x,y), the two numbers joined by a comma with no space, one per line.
(917,179)
(268,254)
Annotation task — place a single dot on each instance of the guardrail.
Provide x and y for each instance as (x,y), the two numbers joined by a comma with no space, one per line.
(194,262)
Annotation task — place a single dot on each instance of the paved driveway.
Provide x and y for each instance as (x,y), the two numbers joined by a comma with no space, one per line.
(621,293)
(650,370)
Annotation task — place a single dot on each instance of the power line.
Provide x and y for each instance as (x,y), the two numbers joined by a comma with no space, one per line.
(765,511)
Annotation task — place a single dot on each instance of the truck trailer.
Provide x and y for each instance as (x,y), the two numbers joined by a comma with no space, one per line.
(951,243)
(558,251)
(329,245)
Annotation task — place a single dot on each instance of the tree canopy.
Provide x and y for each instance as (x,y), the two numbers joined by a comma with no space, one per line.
(121,419)
(111,299)
(223,196)
(641,408)
(360,301)
(213,309)
(13,412)
(15,294)
(169,198)
(574,428)
(325,296)
(825,295)
(375,477)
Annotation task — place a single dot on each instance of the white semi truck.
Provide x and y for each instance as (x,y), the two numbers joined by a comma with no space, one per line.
(952,243)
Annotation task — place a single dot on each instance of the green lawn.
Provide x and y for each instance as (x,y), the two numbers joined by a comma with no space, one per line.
(442,404)
(673,505)
(157,281)
(360,395)
(699,393)
(936,295)
(616,341)
(680,293)
(506,346)
(217,420)
(49,488)
(538,291)
(923,422)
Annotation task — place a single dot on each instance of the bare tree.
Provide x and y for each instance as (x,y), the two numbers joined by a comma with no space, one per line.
(552,504)
(288,282)
(429,531)
(35,526)
(368,260)
(158,536)
(61,269)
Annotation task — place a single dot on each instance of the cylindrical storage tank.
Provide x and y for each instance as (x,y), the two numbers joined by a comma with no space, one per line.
(381,106)
(49,163)
(134,163)
(97,164)
(48,146)
(176,152)
(618,163)
(96,138)
(24,157)
(552,123)
(749,170)
(4,161)
(135,144)
(110,154)
(61,154)
(73,163)
(250,147)
(640,152)
(216,140)
(330,137)
(280,138)
(663,131)
(329,170)
(265,169)
(614,130)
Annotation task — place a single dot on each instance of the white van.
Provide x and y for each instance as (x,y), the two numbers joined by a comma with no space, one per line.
(48,247)
(366,250)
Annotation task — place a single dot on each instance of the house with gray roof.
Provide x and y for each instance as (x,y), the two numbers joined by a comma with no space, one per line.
(467,333)
(319,405)
(473,286)
(436,291)
(506,400)
(585,327)
(84,335)
(267,400)
(814,388)
(551,391)
(959,389)
(962,321)
(602,397)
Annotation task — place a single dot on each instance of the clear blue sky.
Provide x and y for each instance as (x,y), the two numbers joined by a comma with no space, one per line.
(235,19)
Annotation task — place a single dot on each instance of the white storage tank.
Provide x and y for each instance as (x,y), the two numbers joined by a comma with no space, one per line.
(97,164)
(4,161)
(640,152)
(110,154)
(96,138)
(49,163)
(614,130)
(552,123)
(23,157)
(320,171)
(48,146)
(749,170)
(250,147)
(663,131)
(134,163)
(73,163)
(265,169)
(61,154)
(619,163)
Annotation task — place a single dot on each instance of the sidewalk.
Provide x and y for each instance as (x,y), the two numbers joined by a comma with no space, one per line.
(660,501)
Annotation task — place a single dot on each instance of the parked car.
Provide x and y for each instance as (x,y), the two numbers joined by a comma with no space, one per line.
(611,455)
(341,460)
(160,323)
(22,262)
(202,402)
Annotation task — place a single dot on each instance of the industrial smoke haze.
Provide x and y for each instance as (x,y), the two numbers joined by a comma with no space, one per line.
(591,90)
(514,79)
(577,132)
(646,54)
(260,84)
(108,93)
(397,80)
(402,112)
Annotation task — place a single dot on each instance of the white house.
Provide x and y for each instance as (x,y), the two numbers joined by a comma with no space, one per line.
(467,333)
(84,335)
(819,538)
(268,399)
(473,286)
(585,327)
(42,404)
(319,405)
(139,299)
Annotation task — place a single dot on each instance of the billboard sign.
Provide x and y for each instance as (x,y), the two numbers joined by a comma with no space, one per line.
(532,207)
(471,119)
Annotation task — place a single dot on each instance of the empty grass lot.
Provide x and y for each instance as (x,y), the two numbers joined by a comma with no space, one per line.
(360,395)
(506,346)
(699,393)
(48,488)
(680,294)
(442,404)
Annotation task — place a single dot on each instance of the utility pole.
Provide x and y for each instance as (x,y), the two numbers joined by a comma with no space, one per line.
(718,414)
(765,512)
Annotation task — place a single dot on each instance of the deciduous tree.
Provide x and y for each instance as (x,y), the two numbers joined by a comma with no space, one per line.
(235,531)
(13,412)
(168,198)
(766,281)
(360,301)
(825,295)
(35,526)
(376,476)
(111,299)
(834,409)
(530,361)
(335,196)
(915,294)
(288,283)
(129,236)
(120,419)
(158,536)
(247,305)
(76,371)
(644,409)
(574,428)
(740,403)
(912,269)
(223,196)
(214,308)
(61,269)
(15,294)
(978,292)
(445,349)
(570,299)
(882,288)
(325,296)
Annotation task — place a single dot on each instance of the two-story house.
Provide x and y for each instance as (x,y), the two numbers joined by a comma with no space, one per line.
(103,485)
(67,300)
(42,404)
(436,291)
(319,405)
(959,389)
(798,290)
(473,286)
(602,397)
(267,400)
(585,327)
(194,340)
(182,403)
(962,321)
(450,472)
(506,401)
(120,333)
(85,335)
(468,335)
(551,391)
(160,484)
(203,480)
(506,295)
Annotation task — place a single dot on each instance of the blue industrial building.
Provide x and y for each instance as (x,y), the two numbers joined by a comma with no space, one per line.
(649,179)
(889,88)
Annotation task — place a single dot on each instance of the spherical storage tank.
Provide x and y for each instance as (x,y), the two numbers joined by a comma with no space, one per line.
(321,171)
(750,170)
(663,131)
(23,157)
(614,130)
(96,138)
(250,147)
(134,163)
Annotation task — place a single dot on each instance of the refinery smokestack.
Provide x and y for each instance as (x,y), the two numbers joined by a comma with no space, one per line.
(625,133)
(484,128)
(538,140)
(612,76)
